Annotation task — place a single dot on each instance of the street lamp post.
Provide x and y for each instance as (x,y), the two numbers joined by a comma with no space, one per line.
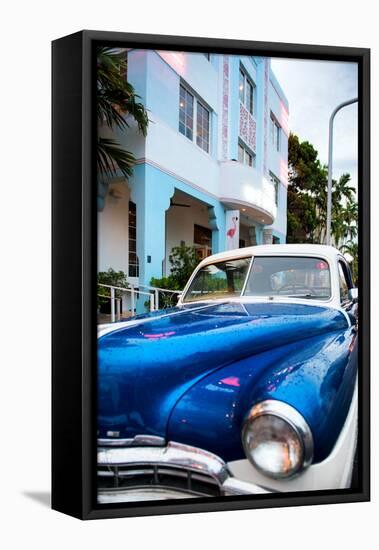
(330,167)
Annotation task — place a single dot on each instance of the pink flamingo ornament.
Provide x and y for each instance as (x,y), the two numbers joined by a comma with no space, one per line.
(230,233)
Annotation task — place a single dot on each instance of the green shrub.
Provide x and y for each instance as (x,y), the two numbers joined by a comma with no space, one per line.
(113,278)
(183,260)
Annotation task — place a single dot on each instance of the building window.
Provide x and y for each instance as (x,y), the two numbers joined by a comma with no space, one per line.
(245,156)
(133,269)
(275,132)
(202,240)
(186,113)
(202,130)
(190,109)
(246,91)
(124,67)
(275,181)
(242,86)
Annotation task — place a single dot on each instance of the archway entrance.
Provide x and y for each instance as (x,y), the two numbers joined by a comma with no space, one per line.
(187,223)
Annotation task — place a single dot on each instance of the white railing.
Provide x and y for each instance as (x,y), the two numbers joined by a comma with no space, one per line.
(115,302)
(152,293)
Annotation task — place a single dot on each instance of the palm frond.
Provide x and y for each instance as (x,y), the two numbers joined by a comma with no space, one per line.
(116,98)
(117,105)
(111,158)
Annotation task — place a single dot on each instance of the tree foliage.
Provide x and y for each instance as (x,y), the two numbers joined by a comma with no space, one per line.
(351,248)
(117,106)
(183,260)
(112,278)
(307,199)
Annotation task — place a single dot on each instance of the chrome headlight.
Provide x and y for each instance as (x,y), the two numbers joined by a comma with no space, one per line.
(277,440)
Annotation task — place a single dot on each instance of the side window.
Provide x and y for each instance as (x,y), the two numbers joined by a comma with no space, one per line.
(344,283)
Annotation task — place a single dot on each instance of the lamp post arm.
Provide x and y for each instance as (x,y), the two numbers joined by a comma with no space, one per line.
(330,167)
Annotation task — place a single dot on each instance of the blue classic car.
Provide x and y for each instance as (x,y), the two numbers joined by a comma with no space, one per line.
(247,386)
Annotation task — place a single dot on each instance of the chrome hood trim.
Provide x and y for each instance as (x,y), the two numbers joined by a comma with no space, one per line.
(136,441)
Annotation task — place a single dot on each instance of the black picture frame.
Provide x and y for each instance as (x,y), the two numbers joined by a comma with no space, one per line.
(74,269)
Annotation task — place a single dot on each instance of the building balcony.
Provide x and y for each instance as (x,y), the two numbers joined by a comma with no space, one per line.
(245,188)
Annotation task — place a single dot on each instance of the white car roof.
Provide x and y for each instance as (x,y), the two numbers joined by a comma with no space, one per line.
(322,250)
(328,253)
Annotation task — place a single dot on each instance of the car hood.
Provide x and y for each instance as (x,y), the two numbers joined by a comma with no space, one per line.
(145,367)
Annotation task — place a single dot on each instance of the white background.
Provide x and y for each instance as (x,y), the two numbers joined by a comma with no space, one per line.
(26,31)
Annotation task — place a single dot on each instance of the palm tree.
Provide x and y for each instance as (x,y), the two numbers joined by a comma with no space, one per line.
(342,190)
(344,210)
(351,219)
(117,104)
(339,227)
(351,247)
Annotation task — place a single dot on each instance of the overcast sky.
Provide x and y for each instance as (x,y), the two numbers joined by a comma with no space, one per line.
(313,90)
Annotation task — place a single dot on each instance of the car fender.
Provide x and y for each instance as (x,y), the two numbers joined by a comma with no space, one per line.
(316,376)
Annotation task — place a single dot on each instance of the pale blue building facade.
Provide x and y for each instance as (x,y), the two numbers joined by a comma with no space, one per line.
(213,166)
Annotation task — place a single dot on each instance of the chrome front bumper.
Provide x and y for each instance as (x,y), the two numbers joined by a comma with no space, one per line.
(134,473)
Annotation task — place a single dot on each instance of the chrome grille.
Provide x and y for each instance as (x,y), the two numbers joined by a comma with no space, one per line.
(151,472)
(156,476)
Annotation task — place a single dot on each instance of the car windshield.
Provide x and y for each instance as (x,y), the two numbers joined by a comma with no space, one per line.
(293,277)
(219,280)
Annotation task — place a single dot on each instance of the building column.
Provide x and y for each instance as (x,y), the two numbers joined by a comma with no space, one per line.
(267,236)
(151,193)
(253,235)
(217,224)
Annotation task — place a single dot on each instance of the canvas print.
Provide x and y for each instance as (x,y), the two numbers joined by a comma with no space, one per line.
(227,259)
